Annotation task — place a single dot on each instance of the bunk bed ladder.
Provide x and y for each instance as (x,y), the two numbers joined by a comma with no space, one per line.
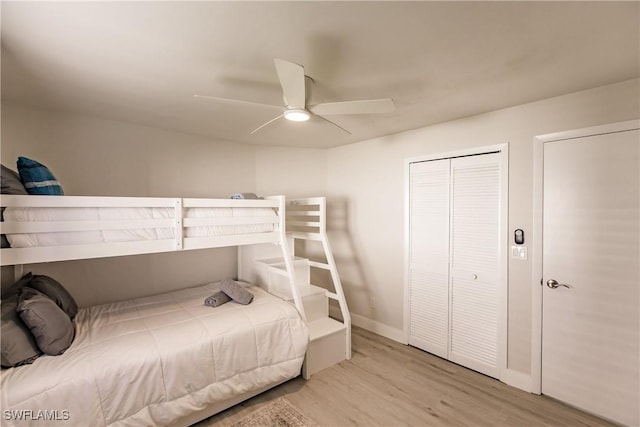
(306,220)
(288,276)
(287,256)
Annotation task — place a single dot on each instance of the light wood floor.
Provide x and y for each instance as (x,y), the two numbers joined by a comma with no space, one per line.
(390,384)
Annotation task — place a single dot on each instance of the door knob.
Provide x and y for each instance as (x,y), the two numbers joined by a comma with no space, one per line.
(553,284)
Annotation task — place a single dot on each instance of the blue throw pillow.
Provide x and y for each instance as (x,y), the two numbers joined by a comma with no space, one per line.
(37,178)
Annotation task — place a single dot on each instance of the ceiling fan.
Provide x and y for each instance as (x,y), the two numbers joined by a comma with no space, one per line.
(293,82)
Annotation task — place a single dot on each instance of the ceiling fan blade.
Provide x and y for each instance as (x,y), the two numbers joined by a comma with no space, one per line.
(292,81)
(335,124)
(237,101)
(268,123)
(366,106)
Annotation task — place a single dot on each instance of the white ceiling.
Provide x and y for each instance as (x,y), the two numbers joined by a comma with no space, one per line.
(142,61)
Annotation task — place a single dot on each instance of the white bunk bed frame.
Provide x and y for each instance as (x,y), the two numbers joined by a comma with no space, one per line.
(306,220)
(29,255)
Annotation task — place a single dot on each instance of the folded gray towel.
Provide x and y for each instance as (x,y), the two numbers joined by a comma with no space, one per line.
(240,196)
(236,292)
(217,299)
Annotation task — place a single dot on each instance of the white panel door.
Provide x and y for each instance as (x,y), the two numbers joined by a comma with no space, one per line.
(475,263)
(590,330)
(429,256)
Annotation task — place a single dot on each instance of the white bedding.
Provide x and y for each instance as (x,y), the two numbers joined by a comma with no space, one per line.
(105,236)
(152,361)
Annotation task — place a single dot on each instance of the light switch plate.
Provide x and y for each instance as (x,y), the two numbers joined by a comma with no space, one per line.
(519,252)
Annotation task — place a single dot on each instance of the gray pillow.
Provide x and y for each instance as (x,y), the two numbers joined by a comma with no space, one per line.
(54,290)
(19,347)
(52,328)
(11,183)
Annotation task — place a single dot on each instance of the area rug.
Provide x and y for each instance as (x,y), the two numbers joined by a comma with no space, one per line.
(279,413)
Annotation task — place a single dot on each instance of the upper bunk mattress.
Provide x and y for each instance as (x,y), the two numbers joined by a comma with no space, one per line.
(155,360)
(105,236)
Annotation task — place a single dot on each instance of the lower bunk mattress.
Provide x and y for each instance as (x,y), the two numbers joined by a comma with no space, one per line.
(155,360)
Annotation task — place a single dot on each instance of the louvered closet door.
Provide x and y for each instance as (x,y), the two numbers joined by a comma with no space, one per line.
(429,256)
(474,275)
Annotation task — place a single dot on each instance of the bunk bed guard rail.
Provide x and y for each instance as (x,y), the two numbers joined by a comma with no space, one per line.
(59,228)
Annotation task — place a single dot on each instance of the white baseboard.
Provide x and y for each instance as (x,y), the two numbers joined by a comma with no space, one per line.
(517,379)
(371,325)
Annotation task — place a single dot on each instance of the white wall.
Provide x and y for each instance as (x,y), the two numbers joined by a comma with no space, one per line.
(294,172)
(366,182)
(92,156)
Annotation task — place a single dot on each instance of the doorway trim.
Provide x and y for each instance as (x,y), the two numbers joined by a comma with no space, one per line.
(503,150)
(536,252)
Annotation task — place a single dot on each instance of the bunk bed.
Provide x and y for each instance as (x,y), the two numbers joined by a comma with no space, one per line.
(161,360)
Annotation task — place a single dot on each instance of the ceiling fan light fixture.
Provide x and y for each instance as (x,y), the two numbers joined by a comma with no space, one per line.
(297,115)
(294,84)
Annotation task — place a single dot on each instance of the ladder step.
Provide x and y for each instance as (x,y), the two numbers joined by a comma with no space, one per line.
(315,224)
(277,265)
(310,290)
(306,236)
(316,264)
(328,294)
(302,213)
(323,327)
(333,295)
